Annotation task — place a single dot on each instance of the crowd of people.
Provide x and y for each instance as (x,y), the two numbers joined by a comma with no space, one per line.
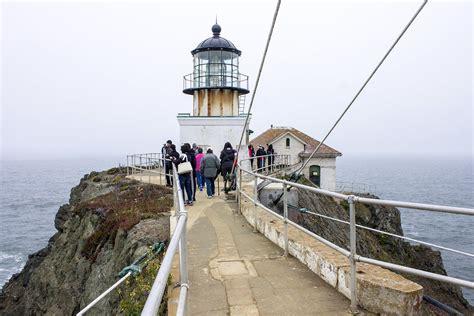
(196,169)
(262,156)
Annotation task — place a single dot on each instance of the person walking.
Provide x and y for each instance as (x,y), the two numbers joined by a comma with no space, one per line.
(271,157)
(260,158)
(251,155)
(192,159)
(184,178)
(208,168)
(168,171)
(227,159)
(199,177)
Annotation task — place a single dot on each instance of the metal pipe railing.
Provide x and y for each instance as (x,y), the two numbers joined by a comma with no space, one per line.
(279,161)
(352,255)
(178,240)
(104,294)
(130,169)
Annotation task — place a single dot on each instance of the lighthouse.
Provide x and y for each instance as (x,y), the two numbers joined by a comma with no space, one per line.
(218,90)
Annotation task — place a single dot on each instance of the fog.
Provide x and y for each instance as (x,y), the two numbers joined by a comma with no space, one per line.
(90,79)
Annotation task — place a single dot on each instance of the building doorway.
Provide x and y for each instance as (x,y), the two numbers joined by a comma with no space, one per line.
(315,174)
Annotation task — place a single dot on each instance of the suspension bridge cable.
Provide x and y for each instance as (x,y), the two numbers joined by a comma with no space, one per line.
(257,80)
(363,86)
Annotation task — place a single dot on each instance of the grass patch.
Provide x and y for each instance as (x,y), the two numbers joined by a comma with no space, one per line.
(122,210)
(134,293)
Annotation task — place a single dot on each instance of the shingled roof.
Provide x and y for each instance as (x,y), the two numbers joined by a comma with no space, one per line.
(274,133)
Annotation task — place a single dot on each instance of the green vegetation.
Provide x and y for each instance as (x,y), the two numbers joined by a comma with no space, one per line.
(114,170)
(134,293)
(96,179)
(121,210)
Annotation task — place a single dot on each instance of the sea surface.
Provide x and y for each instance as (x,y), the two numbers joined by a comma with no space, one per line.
(32,191)
(441,181)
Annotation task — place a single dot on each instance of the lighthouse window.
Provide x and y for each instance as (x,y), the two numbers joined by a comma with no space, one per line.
(287,142)
(216,68)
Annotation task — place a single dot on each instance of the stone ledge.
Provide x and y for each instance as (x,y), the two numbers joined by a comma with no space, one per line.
(379,290)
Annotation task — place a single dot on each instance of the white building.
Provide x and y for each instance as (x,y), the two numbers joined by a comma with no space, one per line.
(218,91)
(321,169)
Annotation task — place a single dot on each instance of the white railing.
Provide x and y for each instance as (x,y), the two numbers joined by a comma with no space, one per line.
(178,240)
(352,200)
(152,164)
(355,187)
(270,163)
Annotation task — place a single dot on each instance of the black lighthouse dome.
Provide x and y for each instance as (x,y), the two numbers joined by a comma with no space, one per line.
(216,42)
(216,66)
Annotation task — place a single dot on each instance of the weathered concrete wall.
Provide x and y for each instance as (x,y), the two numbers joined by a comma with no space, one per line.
(379,290)
(211,131)
(272,191)
(293,150)
(216,102)
(328,172)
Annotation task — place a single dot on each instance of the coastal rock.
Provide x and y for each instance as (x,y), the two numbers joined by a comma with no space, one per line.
(109,222)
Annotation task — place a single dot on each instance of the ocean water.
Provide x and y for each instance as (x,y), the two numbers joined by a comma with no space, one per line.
(32,191)
(442,181)
(30,195)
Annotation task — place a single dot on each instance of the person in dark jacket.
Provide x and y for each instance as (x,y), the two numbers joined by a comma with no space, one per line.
(251,155)
(271,158)
(227,159)
(184,179)
(209,167)
(168,171)
(260,158)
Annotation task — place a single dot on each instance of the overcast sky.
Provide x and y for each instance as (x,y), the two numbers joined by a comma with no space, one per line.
(90,79)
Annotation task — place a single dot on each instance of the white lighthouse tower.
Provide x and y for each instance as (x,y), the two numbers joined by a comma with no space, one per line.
(218,90)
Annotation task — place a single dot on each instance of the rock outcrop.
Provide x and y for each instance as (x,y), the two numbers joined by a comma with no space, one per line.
(109,222)
(375,245)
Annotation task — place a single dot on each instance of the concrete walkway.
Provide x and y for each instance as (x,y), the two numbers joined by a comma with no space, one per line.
(235,271)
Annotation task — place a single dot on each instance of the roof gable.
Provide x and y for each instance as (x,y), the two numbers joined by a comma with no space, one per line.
(275,133)
(282,135)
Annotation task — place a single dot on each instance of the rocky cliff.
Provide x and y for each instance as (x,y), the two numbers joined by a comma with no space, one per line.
(375,245)
(109,222)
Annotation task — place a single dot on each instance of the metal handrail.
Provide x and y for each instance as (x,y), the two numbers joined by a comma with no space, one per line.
(355,187)
(279,160)
(238,80)
(178,240)
(352,200)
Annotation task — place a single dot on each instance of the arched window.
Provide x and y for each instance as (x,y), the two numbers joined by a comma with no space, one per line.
(287,142)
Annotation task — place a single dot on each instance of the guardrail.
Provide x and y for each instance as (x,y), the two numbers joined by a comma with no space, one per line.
(355,187)
(147,164)
(270,163)
(352,200)
(179,239)
(237,80)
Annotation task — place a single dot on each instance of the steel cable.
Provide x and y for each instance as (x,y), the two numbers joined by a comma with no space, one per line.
(257,81)
(363,86)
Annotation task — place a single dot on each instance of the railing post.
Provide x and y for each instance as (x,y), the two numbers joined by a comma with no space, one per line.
(162,169)
(255,198)
(141,170)
(127,167)
(285,214)
(175,194)
(183,250)
(352,233)
(240,190)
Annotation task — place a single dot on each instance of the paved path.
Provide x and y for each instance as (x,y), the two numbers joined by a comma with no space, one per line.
(235,271)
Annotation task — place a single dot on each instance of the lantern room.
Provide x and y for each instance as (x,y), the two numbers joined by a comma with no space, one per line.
(216,83)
